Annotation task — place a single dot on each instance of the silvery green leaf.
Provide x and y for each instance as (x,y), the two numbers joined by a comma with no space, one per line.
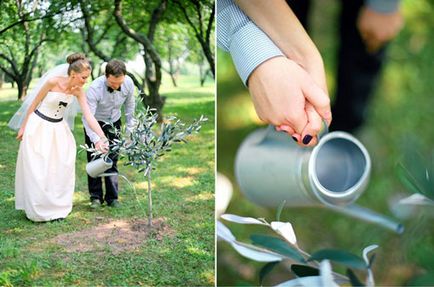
(302,282)
(340,256)
(241,219)
(417,199)
(325,270)
(224,233)
(366,250)
(277,245)
(285,230)
(255,253)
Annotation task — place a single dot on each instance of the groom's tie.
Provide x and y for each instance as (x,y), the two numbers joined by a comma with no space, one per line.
(111,90)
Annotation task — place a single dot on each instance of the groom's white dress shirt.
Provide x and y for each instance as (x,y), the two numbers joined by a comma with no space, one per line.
(106,106)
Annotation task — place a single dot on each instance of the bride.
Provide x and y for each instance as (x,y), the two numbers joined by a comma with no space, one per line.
(45,170)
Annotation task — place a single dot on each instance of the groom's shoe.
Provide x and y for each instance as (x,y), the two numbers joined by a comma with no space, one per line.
(95,204)
(115,204)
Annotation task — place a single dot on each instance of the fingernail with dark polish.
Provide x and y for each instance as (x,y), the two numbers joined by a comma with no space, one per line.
(295,139)
(307,139)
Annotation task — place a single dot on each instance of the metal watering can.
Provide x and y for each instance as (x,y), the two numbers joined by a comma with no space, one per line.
(271,168)
(96,168)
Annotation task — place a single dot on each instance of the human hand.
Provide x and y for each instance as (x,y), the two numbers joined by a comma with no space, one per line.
(20,134)
(102,145)
(285,95)
(376,29)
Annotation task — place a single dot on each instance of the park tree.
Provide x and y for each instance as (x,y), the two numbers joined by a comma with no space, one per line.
(173,47)
(36,25)
(197,57)
(145,38)
(118,29)
(103,37)
(199,15)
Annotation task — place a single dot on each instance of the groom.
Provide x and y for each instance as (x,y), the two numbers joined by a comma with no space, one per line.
(105,97)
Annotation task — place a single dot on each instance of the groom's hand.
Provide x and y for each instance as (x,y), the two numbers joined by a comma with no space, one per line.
(102,145)
(286,96)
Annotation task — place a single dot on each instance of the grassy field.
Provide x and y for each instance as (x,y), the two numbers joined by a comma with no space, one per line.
(75,251)
(401,110)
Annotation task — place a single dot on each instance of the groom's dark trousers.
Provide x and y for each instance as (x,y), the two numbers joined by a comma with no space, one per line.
(111,182)
(358,70)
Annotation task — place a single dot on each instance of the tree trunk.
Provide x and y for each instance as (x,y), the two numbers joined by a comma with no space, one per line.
(149,198)
(151,56)
(153,82)
(209,56)
(173,77)
(22,89)
(172,73)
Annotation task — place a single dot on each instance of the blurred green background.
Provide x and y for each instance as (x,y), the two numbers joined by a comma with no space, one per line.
(402,111)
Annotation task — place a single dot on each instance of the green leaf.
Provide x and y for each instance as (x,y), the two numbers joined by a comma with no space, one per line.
(279,210)
(417,172)
(339,256)
(353,278)
(277,245)
(265,270)
(304,270)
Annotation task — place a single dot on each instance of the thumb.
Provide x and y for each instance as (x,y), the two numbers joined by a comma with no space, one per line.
(318,98)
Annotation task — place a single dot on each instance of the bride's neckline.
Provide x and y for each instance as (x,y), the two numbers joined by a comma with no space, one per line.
(63,93)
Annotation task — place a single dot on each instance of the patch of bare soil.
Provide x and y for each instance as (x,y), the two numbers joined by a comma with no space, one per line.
(118,236)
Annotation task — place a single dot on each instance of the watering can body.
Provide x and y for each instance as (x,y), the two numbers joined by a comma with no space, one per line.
(270,168)
(97,167)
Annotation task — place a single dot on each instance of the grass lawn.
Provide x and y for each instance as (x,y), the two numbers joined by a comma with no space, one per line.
(71,252)
(402,109)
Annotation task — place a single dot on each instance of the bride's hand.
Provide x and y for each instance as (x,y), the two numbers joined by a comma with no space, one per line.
(102,145)
(20,134)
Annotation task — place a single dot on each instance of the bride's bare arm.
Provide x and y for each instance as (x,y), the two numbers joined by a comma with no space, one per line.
(39,97)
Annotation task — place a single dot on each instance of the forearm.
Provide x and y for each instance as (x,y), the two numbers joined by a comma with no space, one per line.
(94,125)
(383,6)
(278,21)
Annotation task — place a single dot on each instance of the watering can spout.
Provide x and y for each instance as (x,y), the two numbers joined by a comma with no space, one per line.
(368,215)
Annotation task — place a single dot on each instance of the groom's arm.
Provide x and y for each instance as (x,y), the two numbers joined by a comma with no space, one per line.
(248,45)
(92,101)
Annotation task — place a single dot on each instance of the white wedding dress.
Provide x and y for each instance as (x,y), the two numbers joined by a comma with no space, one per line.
(45,171)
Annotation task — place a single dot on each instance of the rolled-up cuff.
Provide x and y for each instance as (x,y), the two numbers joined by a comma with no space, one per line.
(383,6)
(250,47)
(95,138)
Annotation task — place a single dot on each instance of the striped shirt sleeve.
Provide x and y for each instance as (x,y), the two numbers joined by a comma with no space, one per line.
(383,6)
(248,45)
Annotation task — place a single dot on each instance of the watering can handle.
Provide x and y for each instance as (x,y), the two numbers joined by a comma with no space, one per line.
(323,131)
(271,130)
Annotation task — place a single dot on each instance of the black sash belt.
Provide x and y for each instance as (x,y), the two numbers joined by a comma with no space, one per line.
(41,115)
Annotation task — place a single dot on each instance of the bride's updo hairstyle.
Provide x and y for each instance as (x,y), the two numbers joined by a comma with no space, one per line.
(77,63)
